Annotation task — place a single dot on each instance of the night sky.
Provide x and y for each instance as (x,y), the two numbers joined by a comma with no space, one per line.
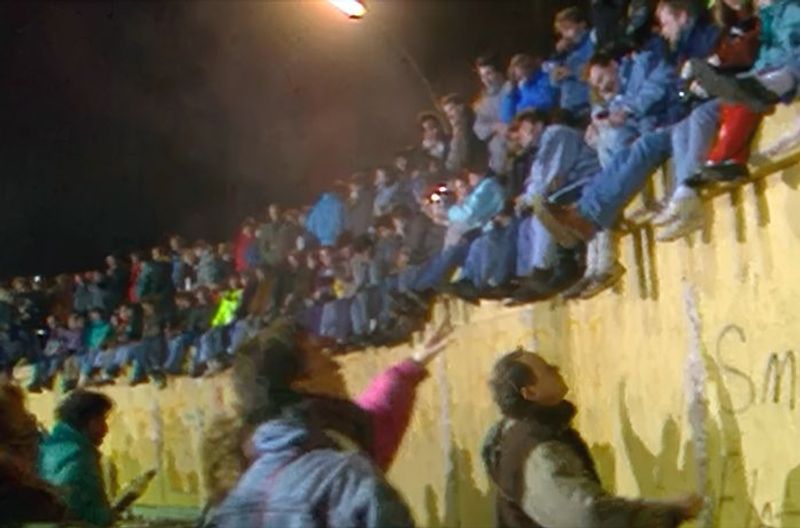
(123,122)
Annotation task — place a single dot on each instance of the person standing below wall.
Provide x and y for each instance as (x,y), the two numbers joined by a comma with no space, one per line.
(542,470)
(24,497)
(70,458)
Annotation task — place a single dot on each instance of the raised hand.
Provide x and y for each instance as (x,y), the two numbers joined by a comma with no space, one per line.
(434,345)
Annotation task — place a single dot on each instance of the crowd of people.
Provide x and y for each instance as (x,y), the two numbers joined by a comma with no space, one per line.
(293,455)
(516,196)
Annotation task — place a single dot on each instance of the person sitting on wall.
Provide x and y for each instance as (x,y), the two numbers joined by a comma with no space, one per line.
(541,467)
(70,457)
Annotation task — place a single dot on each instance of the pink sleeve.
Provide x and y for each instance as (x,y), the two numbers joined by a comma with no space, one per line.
(389,400)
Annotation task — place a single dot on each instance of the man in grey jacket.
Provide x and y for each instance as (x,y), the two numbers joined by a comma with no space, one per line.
(542,469)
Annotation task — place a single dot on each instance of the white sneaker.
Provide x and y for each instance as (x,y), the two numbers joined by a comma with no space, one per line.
(666,216)
(690,218)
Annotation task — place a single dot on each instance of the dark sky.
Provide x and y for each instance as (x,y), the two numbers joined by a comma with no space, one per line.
(122,122)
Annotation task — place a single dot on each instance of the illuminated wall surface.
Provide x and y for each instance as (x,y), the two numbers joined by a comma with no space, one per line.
(669,402)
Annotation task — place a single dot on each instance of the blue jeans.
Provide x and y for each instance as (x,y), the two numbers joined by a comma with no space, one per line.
(238,333)
(692,139)
(148,357)
(607,194)
(176,352)
(536,248)
(335,322)
(438,270)
(492,257)
(611,139)
(45,368)
(365,306)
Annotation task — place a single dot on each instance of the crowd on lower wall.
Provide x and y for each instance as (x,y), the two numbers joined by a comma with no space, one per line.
(516,197)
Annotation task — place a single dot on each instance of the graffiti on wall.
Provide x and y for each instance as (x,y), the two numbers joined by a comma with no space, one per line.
(777,383)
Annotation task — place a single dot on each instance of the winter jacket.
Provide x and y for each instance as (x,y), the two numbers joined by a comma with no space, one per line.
(563,158)
(545,477)
(389,401)
(117,284)
(97,334)
(466,150)
(267,242)
(155,280)
(780,35)
(487,117)
(423,238)
(70,462)
(647,89)
(697,41)
(300,478)
(242,252)
(136,270)
(574,91)
(359,212)
(485,201)
(535,92)
(387,197)
(226,310)
(738,45)
(82,298)
(199,318)
(210,269)
(326,219)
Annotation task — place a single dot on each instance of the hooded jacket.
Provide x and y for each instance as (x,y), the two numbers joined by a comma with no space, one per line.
(70,462)
(300,478)
(780,36)
(326,219)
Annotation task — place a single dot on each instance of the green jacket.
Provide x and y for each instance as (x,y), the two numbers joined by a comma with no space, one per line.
(226,311)
(70,462)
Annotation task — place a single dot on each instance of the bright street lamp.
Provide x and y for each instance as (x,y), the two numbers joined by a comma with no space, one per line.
(356,9)
(351,8)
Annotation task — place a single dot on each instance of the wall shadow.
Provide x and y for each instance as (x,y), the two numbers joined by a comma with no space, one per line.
(465,504)
(656,474)
(605,463)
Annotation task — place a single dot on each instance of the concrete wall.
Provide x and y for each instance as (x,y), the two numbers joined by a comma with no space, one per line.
(685,375)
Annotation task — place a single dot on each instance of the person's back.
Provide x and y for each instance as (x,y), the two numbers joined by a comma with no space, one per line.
(69,458)
(299,478)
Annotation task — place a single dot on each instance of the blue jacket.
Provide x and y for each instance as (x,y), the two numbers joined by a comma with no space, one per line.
(326,219)
(647,90)
(536,92)
(485,201)
(70,462)
(698,41)
(300,478)
(562,159)
(780,36)
(574,90)
(387,198)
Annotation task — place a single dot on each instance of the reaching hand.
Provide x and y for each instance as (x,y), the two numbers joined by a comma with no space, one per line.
(434,345)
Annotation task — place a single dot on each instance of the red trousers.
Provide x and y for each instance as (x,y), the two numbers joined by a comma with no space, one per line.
(738,125)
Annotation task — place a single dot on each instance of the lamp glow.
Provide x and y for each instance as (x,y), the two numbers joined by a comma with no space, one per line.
(351,8)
